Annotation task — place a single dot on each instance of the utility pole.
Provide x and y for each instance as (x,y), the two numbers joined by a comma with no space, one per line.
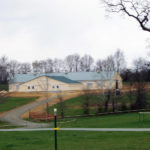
(47,109)
(55,127)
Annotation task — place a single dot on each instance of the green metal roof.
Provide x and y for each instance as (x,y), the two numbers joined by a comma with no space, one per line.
(70,77)
(63,79)
(21,78)
(86,76)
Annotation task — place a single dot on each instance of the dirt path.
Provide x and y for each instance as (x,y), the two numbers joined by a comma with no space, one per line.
(15,116)
(2,114)
(42,107)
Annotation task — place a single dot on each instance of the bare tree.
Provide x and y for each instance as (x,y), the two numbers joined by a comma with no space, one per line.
(42,66)
(108,66)
(13,67)
(46,66)
(44,85)
(36,66)
(114,62)
(61,105)
(99,65)
(139,64)
(140,83)
(4,69)
(70,62)
(86,101)
(59,65)
(24,68)
(107,100)
(76,62)
(49,66)
(73,62)
(119,61)
(86,63)
(136,9)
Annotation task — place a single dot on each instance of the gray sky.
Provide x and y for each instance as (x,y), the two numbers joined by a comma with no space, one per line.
(38,29)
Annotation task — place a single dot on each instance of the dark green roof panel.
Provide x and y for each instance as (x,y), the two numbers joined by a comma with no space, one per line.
(63,79)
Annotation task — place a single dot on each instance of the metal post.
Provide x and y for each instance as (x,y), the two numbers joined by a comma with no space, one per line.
(47,108)
(55,127)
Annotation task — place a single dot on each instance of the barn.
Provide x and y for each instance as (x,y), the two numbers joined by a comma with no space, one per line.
(66,81)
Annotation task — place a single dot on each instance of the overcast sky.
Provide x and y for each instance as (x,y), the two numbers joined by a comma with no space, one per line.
(38,29)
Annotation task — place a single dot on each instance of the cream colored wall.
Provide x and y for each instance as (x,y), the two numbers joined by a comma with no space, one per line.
(41,84)
(99,84)
(12,87)
(104,84)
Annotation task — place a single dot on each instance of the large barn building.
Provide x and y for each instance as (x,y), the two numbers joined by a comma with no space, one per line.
(69,81)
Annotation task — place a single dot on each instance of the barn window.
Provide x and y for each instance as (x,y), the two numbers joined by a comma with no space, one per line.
(28,87)
(99,84)
(17,86)
(33,87)
(90,84)
(57,86)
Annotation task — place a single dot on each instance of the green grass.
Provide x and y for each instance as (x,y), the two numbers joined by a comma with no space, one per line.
(73,106)
(110,121)
(8,103)
(75,140)
(5,125)
(130,120)
(77,101)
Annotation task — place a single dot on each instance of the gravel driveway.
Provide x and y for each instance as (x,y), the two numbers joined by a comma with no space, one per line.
(14,117)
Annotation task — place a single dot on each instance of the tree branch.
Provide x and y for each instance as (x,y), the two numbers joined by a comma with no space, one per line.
(137,10)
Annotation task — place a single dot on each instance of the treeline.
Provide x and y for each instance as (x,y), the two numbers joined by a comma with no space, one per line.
(72,63)
(139,73)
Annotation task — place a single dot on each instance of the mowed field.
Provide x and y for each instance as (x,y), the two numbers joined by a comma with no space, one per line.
(5,125)
(75,140)
(73,107)
(130,120)
(79,140)
(9,103)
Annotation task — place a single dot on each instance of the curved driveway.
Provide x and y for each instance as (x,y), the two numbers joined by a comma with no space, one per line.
(14,116)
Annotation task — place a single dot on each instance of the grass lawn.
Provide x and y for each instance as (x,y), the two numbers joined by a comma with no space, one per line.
(110,121)
(75,140)
(8,103)
(5,125)
(74,107)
